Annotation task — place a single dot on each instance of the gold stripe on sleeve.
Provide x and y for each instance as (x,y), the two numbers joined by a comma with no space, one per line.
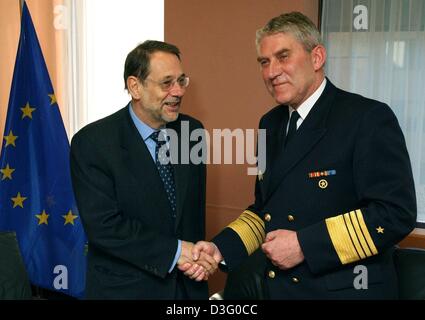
(353,236)
(259,224)
(341,240)
(366,232)
(250,228)
(360,234)
(253,228)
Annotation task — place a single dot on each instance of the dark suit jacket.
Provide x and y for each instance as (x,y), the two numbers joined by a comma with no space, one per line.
(344,183)
(126,214)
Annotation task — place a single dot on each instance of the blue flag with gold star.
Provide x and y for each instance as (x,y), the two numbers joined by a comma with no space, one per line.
(36,197)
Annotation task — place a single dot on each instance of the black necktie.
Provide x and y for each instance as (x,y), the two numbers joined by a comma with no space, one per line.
(165,171)
(292,126)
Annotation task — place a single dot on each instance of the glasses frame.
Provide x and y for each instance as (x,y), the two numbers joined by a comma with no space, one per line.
(168,84)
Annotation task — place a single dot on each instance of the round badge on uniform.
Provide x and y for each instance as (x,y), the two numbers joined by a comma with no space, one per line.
(323,184)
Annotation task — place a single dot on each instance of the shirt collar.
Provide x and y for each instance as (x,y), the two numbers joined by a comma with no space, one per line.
(144,130)
(307,105)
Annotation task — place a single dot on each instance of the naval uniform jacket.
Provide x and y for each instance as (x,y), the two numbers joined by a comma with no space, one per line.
(344,184)
(126,214)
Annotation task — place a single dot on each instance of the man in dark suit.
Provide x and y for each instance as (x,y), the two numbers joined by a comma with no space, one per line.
(337,193)
(137,203)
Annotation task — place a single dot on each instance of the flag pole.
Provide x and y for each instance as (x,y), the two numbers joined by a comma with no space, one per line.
(21,5)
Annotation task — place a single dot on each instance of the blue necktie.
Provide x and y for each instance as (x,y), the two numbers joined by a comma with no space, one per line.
(165,170)
(292,126)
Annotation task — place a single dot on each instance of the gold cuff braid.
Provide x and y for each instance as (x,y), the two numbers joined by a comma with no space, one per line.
(350,237)
(250,228)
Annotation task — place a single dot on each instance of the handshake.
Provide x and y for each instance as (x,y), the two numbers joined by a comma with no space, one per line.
(199,261)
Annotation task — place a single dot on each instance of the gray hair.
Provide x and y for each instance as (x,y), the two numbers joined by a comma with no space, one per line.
(296,24)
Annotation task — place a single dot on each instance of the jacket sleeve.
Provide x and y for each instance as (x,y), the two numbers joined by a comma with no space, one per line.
(387,204)
(107,228)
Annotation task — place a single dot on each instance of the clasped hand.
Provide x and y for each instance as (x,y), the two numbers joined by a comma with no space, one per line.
(199,261)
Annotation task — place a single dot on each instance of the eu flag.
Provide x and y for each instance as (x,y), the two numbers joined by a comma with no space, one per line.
(36,197)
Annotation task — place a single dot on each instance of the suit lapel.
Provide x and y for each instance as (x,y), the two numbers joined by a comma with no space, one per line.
(308,135)
(144,168)
(140,162)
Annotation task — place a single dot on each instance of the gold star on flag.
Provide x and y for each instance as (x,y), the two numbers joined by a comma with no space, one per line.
(380,229)
(42,217)
(7,172)
(18,200)
(52,99)
(69,218)
(10,139)
(27,111)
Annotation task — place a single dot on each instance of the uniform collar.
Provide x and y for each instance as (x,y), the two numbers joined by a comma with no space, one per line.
(305,107)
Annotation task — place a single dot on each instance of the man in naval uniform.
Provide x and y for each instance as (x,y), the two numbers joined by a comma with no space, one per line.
(337,193)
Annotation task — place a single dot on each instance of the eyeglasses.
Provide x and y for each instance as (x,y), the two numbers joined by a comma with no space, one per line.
(166,85)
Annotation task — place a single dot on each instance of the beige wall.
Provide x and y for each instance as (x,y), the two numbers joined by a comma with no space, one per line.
(43,16)
(226,91)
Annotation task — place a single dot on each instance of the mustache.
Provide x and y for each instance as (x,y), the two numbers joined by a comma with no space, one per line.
(174,101)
